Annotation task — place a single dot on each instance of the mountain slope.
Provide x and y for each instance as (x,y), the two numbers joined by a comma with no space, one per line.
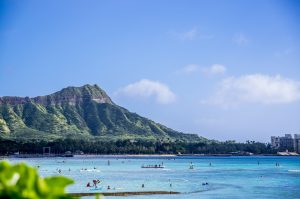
(84,112)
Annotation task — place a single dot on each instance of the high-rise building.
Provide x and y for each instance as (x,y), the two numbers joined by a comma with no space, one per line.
(297,143)
(275,142)
(286,143)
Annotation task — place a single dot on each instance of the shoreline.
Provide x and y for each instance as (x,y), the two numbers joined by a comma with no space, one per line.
(137,155)
(128,193)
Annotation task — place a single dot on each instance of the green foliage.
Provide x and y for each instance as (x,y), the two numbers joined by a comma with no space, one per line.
(23,182)
(78,111)
(104,145)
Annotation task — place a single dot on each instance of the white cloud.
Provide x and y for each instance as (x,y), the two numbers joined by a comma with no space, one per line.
(241,39)
(191,68)
(256,88)
(283,53)
(211,70)
(189,35)
(147,88)
(214,69)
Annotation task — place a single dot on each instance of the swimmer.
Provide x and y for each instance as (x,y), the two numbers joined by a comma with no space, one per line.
(95,183)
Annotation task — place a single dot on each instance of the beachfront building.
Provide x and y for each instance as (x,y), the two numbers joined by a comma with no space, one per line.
(275,142)
(287,142)
(297,143)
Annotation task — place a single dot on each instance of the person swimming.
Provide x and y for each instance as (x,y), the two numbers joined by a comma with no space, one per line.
(95,183)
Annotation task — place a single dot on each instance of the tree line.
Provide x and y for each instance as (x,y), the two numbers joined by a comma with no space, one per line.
(128,146)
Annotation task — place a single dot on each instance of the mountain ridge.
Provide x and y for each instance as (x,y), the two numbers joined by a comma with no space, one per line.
(59,96)
(84,111)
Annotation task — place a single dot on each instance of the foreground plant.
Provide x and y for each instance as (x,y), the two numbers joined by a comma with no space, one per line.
(20,181)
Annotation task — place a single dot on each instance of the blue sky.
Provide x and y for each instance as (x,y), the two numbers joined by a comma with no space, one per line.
(222,69)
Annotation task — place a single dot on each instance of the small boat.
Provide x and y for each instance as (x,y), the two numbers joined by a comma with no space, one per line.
(153,166)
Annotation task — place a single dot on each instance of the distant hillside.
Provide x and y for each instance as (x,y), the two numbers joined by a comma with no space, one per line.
(83,112)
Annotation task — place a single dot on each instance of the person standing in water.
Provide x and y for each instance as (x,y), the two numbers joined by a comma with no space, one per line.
(95,183)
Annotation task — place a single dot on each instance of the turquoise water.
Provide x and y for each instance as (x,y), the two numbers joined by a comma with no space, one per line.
(227,177)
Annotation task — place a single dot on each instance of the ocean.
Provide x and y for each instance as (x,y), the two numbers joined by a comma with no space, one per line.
(275,177)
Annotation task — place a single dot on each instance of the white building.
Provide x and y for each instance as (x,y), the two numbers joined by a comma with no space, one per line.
(297,143)
(286,143)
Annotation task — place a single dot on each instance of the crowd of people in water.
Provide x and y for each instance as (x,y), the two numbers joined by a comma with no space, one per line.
(154,166)
(95,183)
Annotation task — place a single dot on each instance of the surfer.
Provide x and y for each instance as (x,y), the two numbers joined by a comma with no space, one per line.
(88,184)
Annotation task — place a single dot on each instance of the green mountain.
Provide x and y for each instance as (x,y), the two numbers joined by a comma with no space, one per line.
(83,112)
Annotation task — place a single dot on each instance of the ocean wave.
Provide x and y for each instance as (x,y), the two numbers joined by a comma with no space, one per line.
(89,170)
(294,170)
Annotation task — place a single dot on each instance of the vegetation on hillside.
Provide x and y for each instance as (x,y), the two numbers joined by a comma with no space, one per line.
(78,112)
